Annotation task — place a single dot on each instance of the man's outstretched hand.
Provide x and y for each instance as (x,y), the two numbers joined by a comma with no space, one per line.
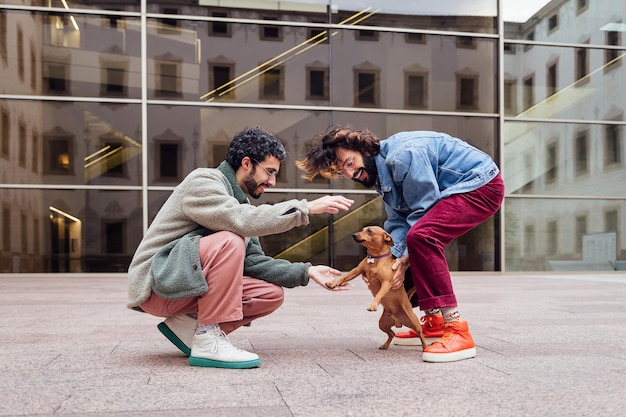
(322,274)
(330,204)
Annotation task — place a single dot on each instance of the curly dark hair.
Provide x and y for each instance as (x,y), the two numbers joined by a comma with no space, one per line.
(256,144)
(321,158)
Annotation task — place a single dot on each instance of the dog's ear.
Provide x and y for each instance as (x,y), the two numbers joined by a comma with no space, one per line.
(388,239)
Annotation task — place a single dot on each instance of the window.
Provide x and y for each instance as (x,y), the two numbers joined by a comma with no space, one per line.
(3,35)
(113,162)
(551,79)
(20,53)
(318,35)
(613,145)
(169,161)
(113,22)
(6,229)
(367,88)
(168,81)
(552,238)
(581,231)
(582,63)
(581,152)
(220,77)
(552,163)
(529,37)
(611,55)
(415,38)
(317,84)
(465,42)
(581,6)
(218,28)
(114,235)
(33,67)
(553,22)
(58,155)
(529,91)
(467,92)
(415,91)
(610,221)
(6,135)
(510,97)
(114,84)
(510,48)
(56,78)
(169,26)
(272,84)
(366,35)
(35,152)
(271,32)
(22,144)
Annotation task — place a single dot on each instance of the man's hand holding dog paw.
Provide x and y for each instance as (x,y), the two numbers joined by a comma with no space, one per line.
(324,276)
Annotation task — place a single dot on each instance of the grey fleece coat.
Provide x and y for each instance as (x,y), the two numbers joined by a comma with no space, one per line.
(211,198)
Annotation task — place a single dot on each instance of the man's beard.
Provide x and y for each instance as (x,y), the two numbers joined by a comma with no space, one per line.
(252,185)
(369,165)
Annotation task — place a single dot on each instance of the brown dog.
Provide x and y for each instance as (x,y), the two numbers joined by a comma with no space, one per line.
(376,268)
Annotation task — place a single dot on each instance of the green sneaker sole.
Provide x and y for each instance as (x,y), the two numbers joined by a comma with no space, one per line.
(209,363)
(173,338)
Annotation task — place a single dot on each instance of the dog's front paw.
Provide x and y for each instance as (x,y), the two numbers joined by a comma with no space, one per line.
(372,307)
(331,284)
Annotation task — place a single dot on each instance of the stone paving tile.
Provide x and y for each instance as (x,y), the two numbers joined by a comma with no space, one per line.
(548,345)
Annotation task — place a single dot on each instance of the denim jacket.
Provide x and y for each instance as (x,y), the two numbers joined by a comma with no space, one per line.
(417,169)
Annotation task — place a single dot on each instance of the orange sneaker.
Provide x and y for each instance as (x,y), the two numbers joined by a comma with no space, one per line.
(456,344)
(431,329)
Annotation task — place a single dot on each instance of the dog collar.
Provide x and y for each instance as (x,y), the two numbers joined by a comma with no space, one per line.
(370,258)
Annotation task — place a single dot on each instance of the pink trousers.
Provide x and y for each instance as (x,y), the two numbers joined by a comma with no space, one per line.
(445,221)
(233,299)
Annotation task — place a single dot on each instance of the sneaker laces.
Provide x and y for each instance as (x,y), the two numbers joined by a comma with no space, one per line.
(426,321)
(224,344)
(448,334)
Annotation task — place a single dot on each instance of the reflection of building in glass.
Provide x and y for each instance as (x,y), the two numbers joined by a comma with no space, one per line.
(101,116)
(563,144)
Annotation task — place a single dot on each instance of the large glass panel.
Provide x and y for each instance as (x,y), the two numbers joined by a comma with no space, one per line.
(479,132)
(441,73)
(237,62)
(314,242)
(65,54)
(569,21)
(183,138)
(118,5)
(565,158)
(565,234)
(70,143)
(451,15)
(46,230)
(474,251)
(563,83)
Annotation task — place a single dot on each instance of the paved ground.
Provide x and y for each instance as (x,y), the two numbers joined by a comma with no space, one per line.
(548,345)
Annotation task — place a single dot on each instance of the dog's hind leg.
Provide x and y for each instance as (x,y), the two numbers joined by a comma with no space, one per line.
(385,323)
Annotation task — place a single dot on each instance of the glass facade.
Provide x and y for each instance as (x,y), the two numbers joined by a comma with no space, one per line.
(106,105)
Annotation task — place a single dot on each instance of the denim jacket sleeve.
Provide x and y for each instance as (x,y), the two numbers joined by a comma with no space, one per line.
(409,191)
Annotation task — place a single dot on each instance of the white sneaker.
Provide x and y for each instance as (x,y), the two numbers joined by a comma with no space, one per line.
(179,330)
(213,349)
